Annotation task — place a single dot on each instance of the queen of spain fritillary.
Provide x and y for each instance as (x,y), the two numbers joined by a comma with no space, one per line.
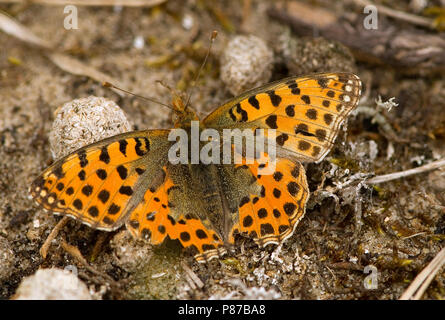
(128,178)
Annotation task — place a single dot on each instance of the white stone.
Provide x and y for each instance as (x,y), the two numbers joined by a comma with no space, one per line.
(52,284)
(83,121)
(246,63)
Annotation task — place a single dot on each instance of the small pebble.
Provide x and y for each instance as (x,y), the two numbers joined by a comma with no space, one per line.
(187,22)
(437,180)
(139,42)
(246,63)
(130,254)
(52,284)
(83,121)
(418,5)
(308,55)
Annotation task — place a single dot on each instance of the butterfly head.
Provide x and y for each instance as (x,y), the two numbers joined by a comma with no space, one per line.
(183,114)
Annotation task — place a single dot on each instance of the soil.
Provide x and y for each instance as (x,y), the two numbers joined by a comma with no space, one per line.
(397,227)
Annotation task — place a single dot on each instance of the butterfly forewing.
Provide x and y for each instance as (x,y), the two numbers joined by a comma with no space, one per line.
(96,183)
(306,112)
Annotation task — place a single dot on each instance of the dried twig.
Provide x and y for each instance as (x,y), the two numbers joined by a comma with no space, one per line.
(127,3)
(424,278)
(45,247)
(98,245)
(396,175)
(75,253)
(191,277)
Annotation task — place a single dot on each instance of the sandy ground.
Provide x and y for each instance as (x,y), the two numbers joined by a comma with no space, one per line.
(398,226)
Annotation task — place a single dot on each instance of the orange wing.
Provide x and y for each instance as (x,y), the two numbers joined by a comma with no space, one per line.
(306,112)
(271,214)
(156,217)
(101,183)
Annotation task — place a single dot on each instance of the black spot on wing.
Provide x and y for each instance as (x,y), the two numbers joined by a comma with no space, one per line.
(274,98)
(323,82)
(266,228)
(102,174)
(126,190)
(58,172)
(140,171)
(306,99)
(103,196)
(82,175)
(303,129)
(304,145)
(271,121)
(254,102)
(93,211)
(113,209)
(293,86)
(247,221)
(123,147)
(82,158)
(290,110)
(311,114)
(328,118)
(104,156)
(243,201)
(123,172)
(242,112)
(87,190)
(78,204)
(232,116)
(320,134)
(142,146)
(281,139)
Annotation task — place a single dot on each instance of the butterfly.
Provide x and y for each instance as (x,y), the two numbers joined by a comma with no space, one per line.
(128,178)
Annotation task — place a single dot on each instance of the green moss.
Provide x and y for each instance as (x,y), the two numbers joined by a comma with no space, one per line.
(157,279)
(346,163)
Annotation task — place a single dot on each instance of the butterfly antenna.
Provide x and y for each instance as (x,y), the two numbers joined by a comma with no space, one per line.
(212,39)
(110,85)
(162,83)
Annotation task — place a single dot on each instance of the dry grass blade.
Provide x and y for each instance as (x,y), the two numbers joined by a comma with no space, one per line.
(52,236)
(63,61)
(76,67)
(194,279)
(127,3)
(397,175)
(13,28)
(424,278)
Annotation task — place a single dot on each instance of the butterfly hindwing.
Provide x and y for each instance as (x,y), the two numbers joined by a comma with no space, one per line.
(162,214)
(306,112)
(270,215)
(100,183)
